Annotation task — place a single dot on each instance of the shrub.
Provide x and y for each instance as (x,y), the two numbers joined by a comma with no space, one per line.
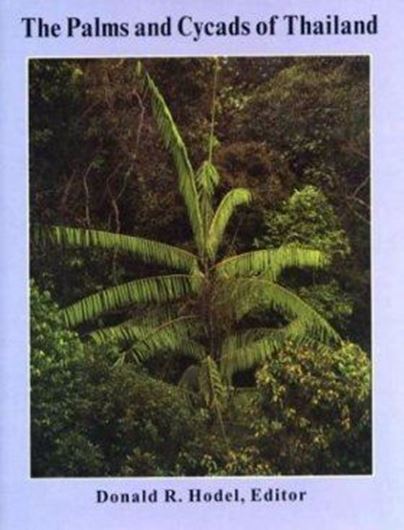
(57,446)
(315,411)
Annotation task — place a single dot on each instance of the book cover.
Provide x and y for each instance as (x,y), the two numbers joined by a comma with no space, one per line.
(200,265)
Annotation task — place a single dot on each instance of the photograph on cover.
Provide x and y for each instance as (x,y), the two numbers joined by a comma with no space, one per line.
(200,266)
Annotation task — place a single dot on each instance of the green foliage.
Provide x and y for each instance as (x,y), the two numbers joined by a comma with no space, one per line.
(145,338)
(206,274)
(144,249)
(225,210)
(243,462)
(175,144)
(140,424)
(211,384)
(271,263)
(331,300)
(157,289)
(313,411)
(300,121)
(207,178)
(91,420)
(307,218)
(308,415)
(57,354)
(314,112)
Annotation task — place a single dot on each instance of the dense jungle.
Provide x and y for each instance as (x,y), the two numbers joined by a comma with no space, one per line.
(200,266)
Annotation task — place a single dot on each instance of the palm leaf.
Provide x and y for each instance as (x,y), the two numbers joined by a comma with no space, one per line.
(249,349)
(207,178)
(178,335)
(147,250)
(213,391)
(157,289)
(127,332)
(239,354)
(222,215)
(211,384)
(271,262)
(135,328)
(175,144)
(258,293)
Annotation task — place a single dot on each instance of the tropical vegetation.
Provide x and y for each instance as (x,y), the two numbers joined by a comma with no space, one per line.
(162,372)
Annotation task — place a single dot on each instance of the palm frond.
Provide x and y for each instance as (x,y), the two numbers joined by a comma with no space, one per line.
(211,384)
(175,144)
(157,289)
(175,336)
(258,293)
(243,353)
(207,178)
(147,250)
(271,262)
(213,391)
(127,332)
(224,211)
(252,348)
(137,327)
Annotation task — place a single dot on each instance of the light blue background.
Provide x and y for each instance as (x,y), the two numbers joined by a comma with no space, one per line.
(372,503)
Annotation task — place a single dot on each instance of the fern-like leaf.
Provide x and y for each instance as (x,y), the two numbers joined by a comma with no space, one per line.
(258,293)
(252,353)
(211,384)
(271,262)
(147,250)
(175,144)
(126,333)
(175,336)
(207,178)
(222,216)
(243,352)
(157,289)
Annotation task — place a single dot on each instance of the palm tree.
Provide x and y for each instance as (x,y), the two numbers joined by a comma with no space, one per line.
(204,302)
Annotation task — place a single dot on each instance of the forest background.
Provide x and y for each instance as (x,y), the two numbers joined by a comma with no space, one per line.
(295,131)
